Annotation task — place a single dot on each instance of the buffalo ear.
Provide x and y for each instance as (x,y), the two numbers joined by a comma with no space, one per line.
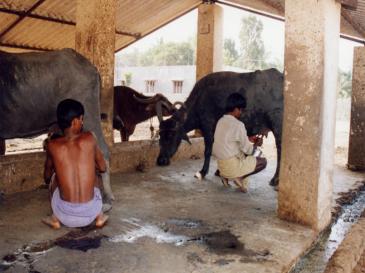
(186,138)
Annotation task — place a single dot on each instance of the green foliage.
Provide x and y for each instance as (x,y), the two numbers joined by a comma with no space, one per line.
(170,53)
(345,83)
(230,54)
(252,48)
(130,59)
(128,78)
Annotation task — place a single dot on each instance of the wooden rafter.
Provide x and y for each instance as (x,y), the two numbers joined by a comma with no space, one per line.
(356,26)
(349,4)
(25,47)
(276,17)
(61,21)
(21,17)
(157,28)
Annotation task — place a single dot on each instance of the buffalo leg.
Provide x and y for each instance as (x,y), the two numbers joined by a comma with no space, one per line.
(208,143)
(276,128)
(92,123)
(123,134)
(2,146)
(275,180)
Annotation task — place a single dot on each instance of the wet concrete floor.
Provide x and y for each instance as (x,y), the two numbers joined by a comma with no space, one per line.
(317,258)
(163,220)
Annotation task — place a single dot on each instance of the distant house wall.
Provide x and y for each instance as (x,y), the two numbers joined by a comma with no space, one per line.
(163,77)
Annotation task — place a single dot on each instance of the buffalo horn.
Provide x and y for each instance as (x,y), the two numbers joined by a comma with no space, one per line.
(159,111)
(146,100)
(168,106)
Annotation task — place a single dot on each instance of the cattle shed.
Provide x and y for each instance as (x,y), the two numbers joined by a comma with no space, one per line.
(100,28)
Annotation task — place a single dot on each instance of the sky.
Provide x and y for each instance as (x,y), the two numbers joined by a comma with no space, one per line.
(273,34)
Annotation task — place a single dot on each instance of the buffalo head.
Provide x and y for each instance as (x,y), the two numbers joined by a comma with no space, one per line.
(171,133)
(157,105)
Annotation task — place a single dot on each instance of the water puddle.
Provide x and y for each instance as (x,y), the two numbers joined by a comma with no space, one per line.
(316,260)
(219,242)
(185,223)
(137,230)
(25,256)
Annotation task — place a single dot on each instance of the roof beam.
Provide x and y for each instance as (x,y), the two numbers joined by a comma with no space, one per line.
(157,28)
(136,35)
(255,11)
(348,18)
(25,47)
(279,18)
(349,4)
(21,17)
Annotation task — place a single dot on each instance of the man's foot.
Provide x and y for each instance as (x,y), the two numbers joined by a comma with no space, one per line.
(101,220)
(225,182)
(217,173)
(241,184)
(52,222)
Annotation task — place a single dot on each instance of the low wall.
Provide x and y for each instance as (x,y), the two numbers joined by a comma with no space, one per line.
(350,255)
(24,172)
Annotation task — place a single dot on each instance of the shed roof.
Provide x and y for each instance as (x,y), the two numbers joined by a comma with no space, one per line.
(50,24)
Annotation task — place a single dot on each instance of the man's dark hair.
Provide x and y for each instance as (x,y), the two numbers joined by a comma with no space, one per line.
(67,110)
(235,100)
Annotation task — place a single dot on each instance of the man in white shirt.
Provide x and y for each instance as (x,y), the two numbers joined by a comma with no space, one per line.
(232,148)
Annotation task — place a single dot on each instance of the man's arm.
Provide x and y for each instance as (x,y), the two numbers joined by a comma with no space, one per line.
(48,168)
(246,146)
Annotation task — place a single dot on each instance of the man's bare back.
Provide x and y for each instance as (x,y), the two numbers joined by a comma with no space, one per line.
(75,160)
(71,165)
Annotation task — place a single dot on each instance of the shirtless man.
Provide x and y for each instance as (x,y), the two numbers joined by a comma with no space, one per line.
(71,165)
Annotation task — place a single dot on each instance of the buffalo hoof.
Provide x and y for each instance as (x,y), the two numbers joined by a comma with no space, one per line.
(198,175)
(274,182)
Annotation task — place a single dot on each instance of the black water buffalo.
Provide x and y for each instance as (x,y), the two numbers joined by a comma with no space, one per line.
(32,85)
(263,91)
(131,108)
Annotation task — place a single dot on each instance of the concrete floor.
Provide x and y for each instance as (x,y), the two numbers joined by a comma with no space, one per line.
(163,220)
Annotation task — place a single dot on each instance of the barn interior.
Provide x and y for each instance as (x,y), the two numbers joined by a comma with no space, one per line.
(164,220)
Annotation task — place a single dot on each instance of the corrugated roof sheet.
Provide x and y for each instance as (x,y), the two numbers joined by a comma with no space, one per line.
(51,23)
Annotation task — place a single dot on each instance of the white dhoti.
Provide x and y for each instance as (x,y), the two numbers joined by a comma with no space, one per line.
(237,166)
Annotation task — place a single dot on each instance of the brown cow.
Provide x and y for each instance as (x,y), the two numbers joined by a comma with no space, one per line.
(131,108)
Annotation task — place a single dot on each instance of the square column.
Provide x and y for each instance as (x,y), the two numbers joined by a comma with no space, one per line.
(95,39)
(312,31)
(209,53)
(356,157)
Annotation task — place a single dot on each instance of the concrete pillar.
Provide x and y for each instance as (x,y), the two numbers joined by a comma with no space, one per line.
(95,39)
(209,53)
(356,157)
(312,30)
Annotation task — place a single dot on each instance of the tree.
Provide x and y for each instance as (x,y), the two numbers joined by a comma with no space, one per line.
(253,53)
(128,78)
(130,59)
(230,54)
(345,83)
(170,53)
